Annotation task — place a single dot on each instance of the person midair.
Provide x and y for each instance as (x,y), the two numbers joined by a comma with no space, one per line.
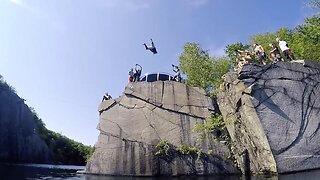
(151,48)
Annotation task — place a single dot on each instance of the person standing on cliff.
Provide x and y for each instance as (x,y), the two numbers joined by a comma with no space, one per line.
(151,48)
(131,74)
(285,49)
(137,73)
(258,49)
(177,75)
(275,53)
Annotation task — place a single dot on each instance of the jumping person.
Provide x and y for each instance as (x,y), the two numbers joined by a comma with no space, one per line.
(152,48)
(177,75)
(285,49)
(137,73)
(258,49)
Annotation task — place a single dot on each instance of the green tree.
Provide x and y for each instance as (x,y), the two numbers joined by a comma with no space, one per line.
(303,40)
(63,149)
(306,38)
(201,69)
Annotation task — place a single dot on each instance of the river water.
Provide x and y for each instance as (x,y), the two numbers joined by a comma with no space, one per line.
(40,172)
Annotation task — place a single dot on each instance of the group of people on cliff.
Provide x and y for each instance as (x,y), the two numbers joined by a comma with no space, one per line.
(135,73)
(246,56)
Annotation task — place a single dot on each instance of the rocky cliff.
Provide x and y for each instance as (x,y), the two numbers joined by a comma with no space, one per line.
(271,113)
(275,110)
(18,138)
(147,114)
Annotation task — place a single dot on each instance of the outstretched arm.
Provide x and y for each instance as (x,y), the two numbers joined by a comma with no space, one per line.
(139,67)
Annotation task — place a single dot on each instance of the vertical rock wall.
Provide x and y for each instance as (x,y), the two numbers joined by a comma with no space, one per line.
(132,125)
(18,138)
(284,101)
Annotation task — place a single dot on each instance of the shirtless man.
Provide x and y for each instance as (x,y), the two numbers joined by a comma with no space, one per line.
(258,49)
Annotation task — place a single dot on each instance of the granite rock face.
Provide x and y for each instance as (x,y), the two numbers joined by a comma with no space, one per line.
(18,138)
(132,125)
(277,106)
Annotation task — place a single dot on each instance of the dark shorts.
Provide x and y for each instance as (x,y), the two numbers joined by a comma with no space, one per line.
(288,54)
(262,56)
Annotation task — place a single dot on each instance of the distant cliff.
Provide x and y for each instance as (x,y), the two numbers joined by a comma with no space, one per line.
(25,139)
(18,137)
(148,131)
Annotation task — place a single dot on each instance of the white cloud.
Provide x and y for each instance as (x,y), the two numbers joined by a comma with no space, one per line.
(125,4)
(197,3)
(21,4)
(136,6)
(38,13)
(216,51)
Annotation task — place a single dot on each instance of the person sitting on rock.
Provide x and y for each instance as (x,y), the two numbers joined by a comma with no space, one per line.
(177,75)
(275,53)
(258,49)
(106,97)
(152,48)
(137,73)
(285,49)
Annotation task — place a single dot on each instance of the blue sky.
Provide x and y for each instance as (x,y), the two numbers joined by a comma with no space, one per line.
(63,55)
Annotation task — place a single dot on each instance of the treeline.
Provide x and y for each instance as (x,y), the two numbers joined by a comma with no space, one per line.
(64,150)
(206,72)
(303,40)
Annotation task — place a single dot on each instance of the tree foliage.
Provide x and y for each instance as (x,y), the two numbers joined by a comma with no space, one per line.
(63,150)
(303,40)
(201,69)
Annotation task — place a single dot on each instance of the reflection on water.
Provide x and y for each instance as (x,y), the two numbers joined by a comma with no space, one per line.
(40,171)
(37,171)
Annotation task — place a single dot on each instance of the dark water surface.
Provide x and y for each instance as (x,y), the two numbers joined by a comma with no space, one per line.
(40,171)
